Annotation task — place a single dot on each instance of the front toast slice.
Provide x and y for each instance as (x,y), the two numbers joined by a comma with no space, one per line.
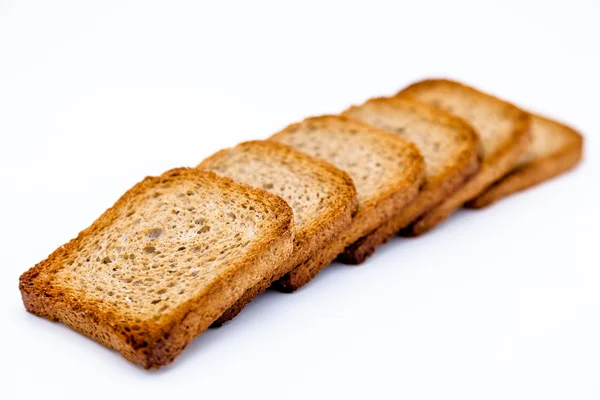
(322,197)
(502,128)
(161,265)
(449,146)
(387,171)
(555,148)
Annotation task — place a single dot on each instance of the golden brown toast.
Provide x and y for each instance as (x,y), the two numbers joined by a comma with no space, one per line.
(554,149)
(322,197)
(161,265)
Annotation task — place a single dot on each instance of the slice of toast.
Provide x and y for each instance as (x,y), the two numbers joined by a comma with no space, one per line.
(387,171)
(449,146)
(161,265)
(502,128)
(322,197)
(554,149)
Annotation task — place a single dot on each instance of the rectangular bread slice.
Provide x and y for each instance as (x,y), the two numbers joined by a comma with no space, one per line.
(449,146)
(387,171)
(322,197)
(554,149)
(161,265)
(502,128)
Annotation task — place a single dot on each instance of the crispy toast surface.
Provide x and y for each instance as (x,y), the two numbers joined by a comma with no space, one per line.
(387,171)
(161,265)
(449,146)
(503,130)
(322,197)
(554,149)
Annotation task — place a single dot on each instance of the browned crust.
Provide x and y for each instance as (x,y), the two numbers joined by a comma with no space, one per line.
(157,342)
(493,167)
(369,216)
(428,197)
(306,271)
(436,188)
(336,225)
(314,235)
(535,172)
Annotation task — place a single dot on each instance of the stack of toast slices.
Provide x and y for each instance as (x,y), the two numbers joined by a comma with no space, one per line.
(189,249)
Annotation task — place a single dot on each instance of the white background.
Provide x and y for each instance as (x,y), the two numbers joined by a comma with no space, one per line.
(495,304)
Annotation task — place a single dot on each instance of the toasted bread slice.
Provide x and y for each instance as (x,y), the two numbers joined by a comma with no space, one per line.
(449,146)
(554,149)
(163,263)
(322,197)
(387,171)
(502,128)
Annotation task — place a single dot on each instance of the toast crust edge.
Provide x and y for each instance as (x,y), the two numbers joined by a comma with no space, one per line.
(536,172)
(428,198)
(308,270)
(305,272)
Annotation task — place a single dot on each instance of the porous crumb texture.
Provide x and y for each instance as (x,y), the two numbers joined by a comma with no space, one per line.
(160,253)
(496,122)
(449,146)
(322,197)
(377,161)
(503,130)
(310,186)
(444,140)
(554,149)
(386,169)
(156,258)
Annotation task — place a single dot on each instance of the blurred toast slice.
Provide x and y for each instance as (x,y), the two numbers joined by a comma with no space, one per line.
(161,265)
(322,197)
(449,146)
(387,171)
(502,128)
(555,148)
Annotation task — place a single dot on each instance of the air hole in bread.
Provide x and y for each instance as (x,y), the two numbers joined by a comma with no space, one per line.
(149,249)
(155,233)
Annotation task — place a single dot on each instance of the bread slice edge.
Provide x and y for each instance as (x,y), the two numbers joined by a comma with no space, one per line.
(535,172)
